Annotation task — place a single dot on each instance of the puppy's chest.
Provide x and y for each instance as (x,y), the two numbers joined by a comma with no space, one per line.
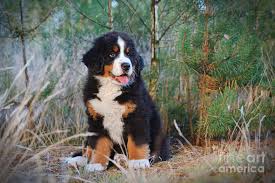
(107,107)
(111,110)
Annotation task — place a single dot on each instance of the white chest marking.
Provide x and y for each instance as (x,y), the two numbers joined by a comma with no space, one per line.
(110,109)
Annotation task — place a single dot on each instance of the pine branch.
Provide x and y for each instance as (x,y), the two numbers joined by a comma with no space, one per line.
(162,11)
(9,25)
(170,26)
(44,19)
(86,16)
(5,26)
(130,7)
(16,32)
(100,4)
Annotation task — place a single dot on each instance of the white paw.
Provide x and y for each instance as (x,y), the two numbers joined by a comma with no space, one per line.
(141,163)
(94,167)
(76,161)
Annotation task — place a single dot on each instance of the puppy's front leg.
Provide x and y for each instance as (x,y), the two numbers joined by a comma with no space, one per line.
(138,154)
(100,155)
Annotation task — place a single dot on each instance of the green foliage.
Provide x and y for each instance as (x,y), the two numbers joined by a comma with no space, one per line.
(49,89)
(224,112)
(273,87)
(261,115)
(236,54)
(238,60)
(220,114)
(189,47)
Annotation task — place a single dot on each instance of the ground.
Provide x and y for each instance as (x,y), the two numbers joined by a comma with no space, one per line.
(188,164)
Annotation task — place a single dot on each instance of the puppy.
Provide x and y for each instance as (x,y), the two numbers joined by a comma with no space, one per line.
(120,111)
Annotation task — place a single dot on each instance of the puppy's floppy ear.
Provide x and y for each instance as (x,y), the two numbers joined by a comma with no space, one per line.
(140,64)
(93,61)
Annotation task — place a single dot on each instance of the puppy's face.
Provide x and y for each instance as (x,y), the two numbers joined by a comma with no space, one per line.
(114,55)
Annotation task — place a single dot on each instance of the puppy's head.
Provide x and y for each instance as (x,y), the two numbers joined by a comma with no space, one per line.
(114,55)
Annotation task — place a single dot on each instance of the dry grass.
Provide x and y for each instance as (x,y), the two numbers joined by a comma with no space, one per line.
(188,164)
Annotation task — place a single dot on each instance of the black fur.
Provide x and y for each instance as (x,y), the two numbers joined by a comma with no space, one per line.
(144,124)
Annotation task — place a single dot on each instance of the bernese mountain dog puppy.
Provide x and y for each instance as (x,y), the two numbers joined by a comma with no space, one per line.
(120,111)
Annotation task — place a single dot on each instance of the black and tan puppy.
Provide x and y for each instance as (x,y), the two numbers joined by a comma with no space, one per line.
(120,111)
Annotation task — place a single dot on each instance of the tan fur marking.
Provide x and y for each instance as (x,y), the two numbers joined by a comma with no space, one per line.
(107,70)
(102,151)
(83,150)
(115,49)
(89,153)
(91,110)
(127,50)
(137,152)
(129,108)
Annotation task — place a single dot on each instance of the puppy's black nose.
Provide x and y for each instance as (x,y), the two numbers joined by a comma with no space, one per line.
(125,66)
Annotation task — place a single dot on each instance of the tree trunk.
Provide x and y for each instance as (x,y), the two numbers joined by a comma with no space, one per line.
(189,105)
(110,16)
(23,44)
(202,85)
(154,47)
(30,120)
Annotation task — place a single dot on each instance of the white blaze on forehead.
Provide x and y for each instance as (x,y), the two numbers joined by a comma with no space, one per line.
(121,44)
(117,70)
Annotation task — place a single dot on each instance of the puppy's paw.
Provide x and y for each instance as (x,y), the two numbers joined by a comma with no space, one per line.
(95,167)
(121,160)
(137,164)
(76,161)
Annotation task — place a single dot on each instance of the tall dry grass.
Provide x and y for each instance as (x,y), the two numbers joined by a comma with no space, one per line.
(39,117)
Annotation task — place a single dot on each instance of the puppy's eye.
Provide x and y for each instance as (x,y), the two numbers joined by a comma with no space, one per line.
(112,55)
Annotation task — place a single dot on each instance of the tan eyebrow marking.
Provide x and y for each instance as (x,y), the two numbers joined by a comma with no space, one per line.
(127,50)
(115,49)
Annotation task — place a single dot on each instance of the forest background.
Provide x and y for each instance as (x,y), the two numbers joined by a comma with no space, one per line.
(209,65)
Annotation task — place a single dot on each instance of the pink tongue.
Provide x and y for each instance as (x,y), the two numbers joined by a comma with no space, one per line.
(122,79)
